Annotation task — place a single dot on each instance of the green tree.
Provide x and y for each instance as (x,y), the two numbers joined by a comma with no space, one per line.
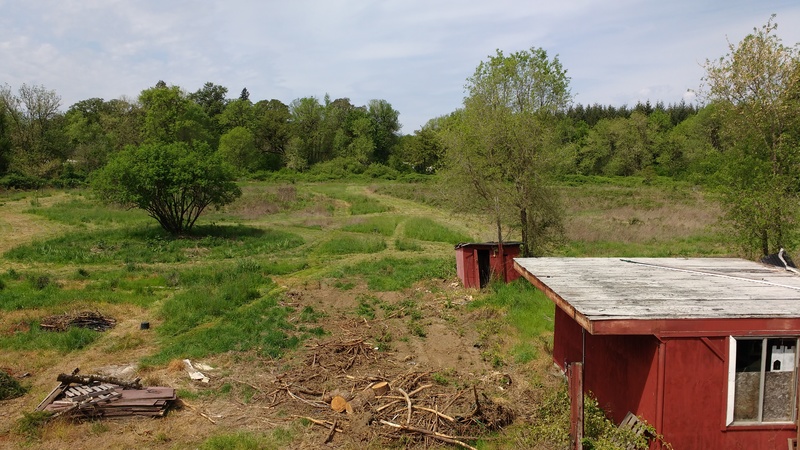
(239,149)
(499,147)
(173,182)
(754,90)
(271,123)
(171,116)
(212,99)
(385,128)
(423,151)
(5,141)
(97,129)
(35,130)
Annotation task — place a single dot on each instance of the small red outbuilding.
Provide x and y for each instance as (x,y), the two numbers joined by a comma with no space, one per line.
(703,349)
(478,263)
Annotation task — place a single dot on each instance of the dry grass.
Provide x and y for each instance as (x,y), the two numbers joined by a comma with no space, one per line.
(642,215)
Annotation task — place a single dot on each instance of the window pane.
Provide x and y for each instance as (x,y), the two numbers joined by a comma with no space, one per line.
(748,379)
(779,380)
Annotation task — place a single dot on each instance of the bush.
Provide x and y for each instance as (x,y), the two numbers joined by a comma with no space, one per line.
(9,387)
(21,182)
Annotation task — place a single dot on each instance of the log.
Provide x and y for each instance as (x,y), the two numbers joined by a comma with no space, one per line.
(328,396)
(338,404)
(90,379)
(361,399)
(381,388)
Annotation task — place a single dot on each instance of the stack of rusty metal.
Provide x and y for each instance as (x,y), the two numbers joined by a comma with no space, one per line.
(96,396)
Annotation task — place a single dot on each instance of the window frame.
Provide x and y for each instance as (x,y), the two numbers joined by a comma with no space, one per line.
(732,350)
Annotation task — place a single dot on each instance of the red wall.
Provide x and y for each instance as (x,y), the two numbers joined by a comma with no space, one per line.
(467,263)
(622,373)
(695,392)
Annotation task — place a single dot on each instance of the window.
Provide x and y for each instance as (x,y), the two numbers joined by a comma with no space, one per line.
(762,380)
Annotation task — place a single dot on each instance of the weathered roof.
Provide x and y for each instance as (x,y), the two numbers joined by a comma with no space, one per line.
(599,291)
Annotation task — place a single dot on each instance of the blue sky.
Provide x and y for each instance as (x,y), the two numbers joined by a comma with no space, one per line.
(415,54)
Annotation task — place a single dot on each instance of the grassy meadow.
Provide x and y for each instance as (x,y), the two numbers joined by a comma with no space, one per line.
(235,291)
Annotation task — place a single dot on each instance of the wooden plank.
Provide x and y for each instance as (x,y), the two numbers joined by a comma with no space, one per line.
(58,390)
(575,376)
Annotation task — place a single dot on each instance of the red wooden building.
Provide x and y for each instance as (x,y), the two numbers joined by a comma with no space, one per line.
(703,349)
(478,263)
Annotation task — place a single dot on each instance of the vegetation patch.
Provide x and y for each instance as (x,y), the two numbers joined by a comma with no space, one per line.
(81,211)
(153,245)
(382,225)
(10,387)
(344,244)
(425,229)
(248,441)
(34,338)
(394,274)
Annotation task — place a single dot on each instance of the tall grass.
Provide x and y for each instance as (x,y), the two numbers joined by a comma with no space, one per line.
(79,211)
(41,290)
(344,244)
(383,225)
(527,310)
(394,274)
(260,325)
(357,204)
(35,338)
(425,229)
(150,244)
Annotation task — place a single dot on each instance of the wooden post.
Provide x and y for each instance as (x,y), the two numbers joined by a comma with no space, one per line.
(797,400)
(575,380)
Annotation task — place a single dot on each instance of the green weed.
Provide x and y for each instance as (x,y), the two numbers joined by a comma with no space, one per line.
(425,229)
(10,387)
(382,225)
(394,274)
(73,339)
(345,244)
(31,424)
(244,440)
(407,245)
(152,245)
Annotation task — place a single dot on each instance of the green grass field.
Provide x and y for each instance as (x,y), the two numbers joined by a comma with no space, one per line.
(223,292)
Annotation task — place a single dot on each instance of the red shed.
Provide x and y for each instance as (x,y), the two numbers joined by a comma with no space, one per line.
(478,263)
(703,349)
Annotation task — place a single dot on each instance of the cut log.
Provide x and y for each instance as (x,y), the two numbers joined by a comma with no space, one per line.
(361,399)
(328,396)
(381,388)
(338,404)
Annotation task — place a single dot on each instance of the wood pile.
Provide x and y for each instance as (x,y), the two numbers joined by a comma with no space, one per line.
(96,396)
(410,406)
(84,319)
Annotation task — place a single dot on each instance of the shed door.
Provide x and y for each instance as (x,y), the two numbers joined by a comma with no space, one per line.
(484,267)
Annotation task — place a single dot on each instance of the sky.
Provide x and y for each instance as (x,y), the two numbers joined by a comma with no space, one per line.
(415,54)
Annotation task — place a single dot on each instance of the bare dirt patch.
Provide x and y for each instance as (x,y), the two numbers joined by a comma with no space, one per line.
(423,342)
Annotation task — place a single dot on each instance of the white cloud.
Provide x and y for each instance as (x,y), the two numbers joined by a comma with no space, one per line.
(415,54)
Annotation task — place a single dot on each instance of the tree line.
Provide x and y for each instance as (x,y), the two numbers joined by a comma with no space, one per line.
(40,143)
(517,131)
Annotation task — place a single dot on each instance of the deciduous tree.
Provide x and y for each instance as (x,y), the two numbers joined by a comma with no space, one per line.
(173,182)
(754,89)
(499,147)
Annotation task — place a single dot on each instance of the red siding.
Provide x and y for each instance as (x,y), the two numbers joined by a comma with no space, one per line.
(467,263)
(622,371)
(695,390)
